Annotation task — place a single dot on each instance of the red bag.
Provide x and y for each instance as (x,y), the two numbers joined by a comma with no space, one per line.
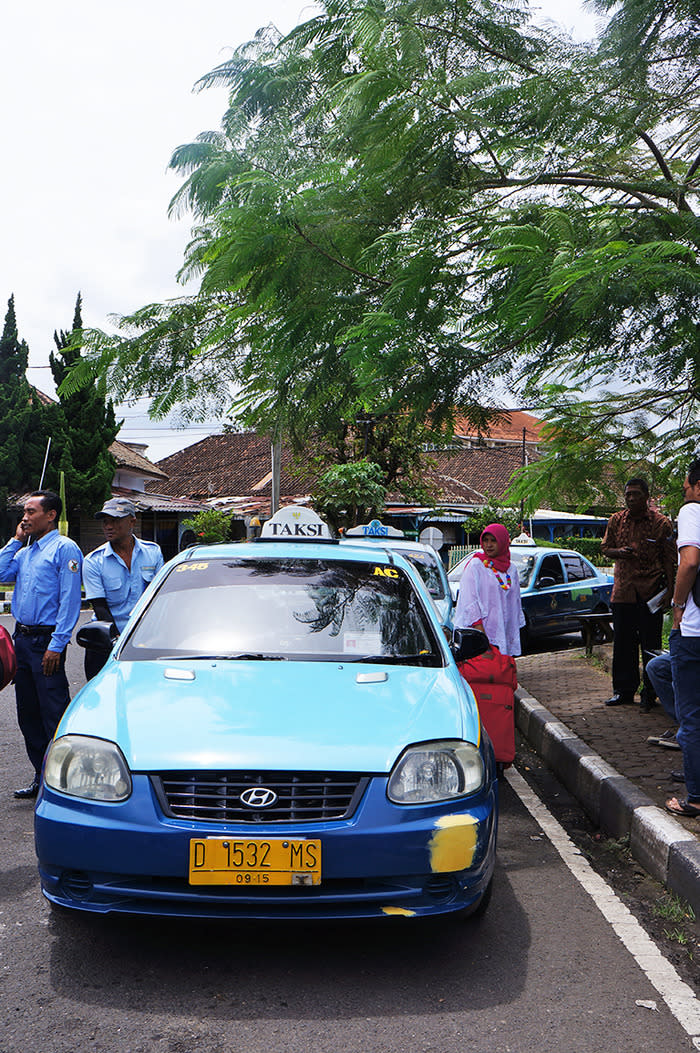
(493,677)
(490,668)
(497,712)
(8,658)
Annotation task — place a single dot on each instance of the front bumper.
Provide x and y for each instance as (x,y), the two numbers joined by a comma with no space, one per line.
(384,860)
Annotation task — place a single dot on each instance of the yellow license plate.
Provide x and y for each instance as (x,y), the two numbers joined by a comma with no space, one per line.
(255,861)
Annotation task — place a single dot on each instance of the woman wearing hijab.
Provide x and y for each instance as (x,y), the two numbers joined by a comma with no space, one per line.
(489,599)
(489,592)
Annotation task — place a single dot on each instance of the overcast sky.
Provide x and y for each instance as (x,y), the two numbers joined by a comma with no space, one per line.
(96,97)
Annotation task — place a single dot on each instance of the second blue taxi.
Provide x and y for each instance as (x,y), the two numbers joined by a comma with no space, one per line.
(423,557)
(281,731)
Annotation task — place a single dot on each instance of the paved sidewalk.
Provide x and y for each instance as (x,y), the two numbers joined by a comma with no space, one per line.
(602,756)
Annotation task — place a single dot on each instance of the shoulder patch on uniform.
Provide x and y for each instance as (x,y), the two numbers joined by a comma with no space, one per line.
(73,566)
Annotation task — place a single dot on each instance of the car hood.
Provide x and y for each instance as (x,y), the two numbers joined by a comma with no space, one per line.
(270,715)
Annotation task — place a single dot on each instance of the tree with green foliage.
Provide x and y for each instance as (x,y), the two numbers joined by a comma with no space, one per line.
(22,432)
(348,494)
(82,426)
(331,282)
(491,513)
(409,199)
(596,289)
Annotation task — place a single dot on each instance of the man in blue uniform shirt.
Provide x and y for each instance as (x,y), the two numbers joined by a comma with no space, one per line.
(46,605)
(116,574)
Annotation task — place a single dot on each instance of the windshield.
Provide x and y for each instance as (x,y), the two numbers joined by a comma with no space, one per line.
(429,571)
(297,609)
(524,561)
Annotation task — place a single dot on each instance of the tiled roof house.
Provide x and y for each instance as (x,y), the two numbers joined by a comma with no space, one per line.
(233,472)
(509,428)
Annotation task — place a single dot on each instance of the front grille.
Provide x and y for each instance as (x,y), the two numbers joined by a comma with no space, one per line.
(215,797)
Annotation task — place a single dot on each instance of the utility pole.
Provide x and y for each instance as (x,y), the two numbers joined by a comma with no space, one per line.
(522,502)
(276,471)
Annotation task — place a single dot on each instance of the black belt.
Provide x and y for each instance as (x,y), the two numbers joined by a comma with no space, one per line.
(34,630)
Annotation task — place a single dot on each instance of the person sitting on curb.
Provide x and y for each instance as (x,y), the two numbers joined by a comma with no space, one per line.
(659,673)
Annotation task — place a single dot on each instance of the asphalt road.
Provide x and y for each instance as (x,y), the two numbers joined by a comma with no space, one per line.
(542,972)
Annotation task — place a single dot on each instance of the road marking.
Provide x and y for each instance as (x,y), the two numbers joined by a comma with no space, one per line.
(677,995)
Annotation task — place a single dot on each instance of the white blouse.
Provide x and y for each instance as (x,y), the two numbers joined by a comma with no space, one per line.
(481,598)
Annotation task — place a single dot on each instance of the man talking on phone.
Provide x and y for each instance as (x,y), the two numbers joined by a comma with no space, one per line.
(45,605)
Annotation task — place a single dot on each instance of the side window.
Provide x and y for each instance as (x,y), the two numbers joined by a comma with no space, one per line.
(589,570)
(574,568)
(577,569)
(551,567)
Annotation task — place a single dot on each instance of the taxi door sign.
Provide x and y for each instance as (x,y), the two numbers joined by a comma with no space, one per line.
(296,524)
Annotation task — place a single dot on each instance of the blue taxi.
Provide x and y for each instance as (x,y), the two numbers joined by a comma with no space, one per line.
(423,557)
(280,732)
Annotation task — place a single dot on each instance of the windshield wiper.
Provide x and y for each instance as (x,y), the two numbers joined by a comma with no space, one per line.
(252,656)
(399,659)
(255,656)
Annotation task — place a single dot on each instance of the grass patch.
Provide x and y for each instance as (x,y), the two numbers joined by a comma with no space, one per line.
(672,908)
(677,935)
(621,845)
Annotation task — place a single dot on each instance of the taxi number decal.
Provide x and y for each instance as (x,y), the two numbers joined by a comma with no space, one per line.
(191,566)
(385,572)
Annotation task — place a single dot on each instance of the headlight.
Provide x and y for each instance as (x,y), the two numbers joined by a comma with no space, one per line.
(85,767)
(436,771)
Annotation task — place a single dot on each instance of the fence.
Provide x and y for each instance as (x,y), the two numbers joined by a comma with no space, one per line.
(458,552)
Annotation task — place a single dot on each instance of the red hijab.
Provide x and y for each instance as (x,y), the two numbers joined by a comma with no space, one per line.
(502,559)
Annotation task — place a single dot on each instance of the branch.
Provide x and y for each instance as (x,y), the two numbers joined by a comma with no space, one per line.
(682,203)
(491,154)
(576,180)
(657,154)
(340,263)
(489,50)
(693,168)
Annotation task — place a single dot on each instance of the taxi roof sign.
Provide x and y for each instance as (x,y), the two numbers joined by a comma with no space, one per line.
(523,539)
(374,529)
(295,523)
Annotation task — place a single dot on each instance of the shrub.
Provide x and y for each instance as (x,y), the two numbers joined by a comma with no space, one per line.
(210,526)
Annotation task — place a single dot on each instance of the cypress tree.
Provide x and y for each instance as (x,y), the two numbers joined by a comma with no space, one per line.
(83,427)
(22,430)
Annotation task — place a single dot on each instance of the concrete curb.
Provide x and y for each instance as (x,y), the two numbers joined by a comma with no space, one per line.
(659,843)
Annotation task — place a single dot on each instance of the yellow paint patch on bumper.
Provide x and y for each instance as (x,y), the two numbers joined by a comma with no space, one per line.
(453,843)
(400,911)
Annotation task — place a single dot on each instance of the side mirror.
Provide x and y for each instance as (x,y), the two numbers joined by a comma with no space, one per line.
(545,583)
(468,643)
(97,636)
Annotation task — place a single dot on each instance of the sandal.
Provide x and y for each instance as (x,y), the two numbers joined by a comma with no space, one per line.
(676,806)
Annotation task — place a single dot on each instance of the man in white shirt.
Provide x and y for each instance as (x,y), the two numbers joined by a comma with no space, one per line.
(684,644)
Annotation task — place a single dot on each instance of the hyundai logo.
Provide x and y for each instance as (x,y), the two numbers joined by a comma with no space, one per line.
(258,797)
